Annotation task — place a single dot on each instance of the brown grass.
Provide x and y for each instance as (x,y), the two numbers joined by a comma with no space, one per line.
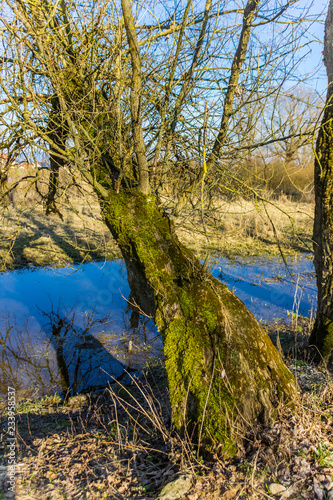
(30,238)
(277,179)
(251,228)
(119,445)
(239,227)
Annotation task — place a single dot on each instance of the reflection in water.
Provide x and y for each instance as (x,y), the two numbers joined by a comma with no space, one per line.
(84,349)
(268,289)
(27,361)
(99,336)
(83,361)
(72,360)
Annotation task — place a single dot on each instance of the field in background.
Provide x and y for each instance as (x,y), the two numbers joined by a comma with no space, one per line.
(247,228)
(30,238)
(237,227)
(276,179)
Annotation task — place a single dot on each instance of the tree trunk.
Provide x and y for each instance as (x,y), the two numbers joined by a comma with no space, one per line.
(57,134)
(223,371)
(322,334)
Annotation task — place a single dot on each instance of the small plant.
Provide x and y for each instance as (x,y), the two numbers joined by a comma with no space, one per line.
(247,468)
(113,429)
(324,457)
(268,490)
(50,400)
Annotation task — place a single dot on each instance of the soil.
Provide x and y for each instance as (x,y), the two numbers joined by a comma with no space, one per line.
(119,444)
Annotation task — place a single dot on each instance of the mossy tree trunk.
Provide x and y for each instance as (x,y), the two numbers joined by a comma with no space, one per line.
(322,334)
(222,368)
(57,134)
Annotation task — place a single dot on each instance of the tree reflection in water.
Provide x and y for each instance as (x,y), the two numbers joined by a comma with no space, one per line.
(71,359)
(27,361)
(84,363)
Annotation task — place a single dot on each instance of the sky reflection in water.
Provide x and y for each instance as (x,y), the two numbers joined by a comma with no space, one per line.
(91,357)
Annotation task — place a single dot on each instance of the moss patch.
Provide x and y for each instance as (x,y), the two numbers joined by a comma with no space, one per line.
(221,365)
(328,340)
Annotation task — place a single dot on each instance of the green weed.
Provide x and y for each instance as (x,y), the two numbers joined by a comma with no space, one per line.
(324,457)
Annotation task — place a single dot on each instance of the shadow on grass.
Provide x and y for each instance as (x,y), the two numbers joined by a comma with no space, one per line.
(293,243)
(47,247)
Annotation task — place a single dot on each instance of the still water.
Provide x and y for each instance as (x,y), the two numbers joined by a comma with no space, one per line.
(68,330)
(268,288)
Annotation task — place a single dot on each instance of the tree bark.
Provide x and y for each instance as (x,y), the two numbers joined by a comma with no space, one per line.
(135,100)
(223,371)
(322,334)
(57,134)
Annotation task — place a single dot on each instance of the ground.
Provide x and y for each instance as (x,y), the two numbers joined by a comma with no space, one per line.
(240,228)
(118,444)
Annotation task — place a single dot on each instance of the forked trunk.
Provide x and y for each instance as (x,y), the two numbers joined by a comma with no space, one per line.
(222,368)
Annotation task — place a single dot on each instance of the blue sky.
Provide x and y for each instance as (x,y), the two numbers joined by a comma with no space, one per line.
(314,60)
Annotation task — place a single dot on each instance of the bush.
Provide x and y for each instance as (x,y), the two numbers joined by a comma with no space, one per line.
(274,180)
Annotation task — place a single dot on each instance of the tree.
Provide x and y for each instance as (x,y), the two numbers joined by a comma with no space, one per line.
(322,334)
(117,101)
(297,111)
(272,144)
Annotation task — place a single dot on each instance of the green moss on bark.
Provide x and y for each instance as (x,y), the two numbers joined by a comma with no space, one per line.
(322,335)
(222,368)
(327,348)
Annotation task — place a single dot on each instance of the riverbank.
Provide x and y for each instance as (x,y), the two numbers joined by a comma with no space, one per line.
(249,228)
(240,228)
(118,444)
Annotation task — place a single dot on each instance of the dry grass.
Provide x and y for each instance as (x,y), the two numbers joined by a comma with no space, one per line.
(277,179)
(291,180)
(119,445)
(30,238)
(243,227)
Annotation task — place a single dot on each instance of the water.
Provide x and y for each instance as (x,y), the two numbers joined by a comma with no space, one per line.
(67,329)
(268,289)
